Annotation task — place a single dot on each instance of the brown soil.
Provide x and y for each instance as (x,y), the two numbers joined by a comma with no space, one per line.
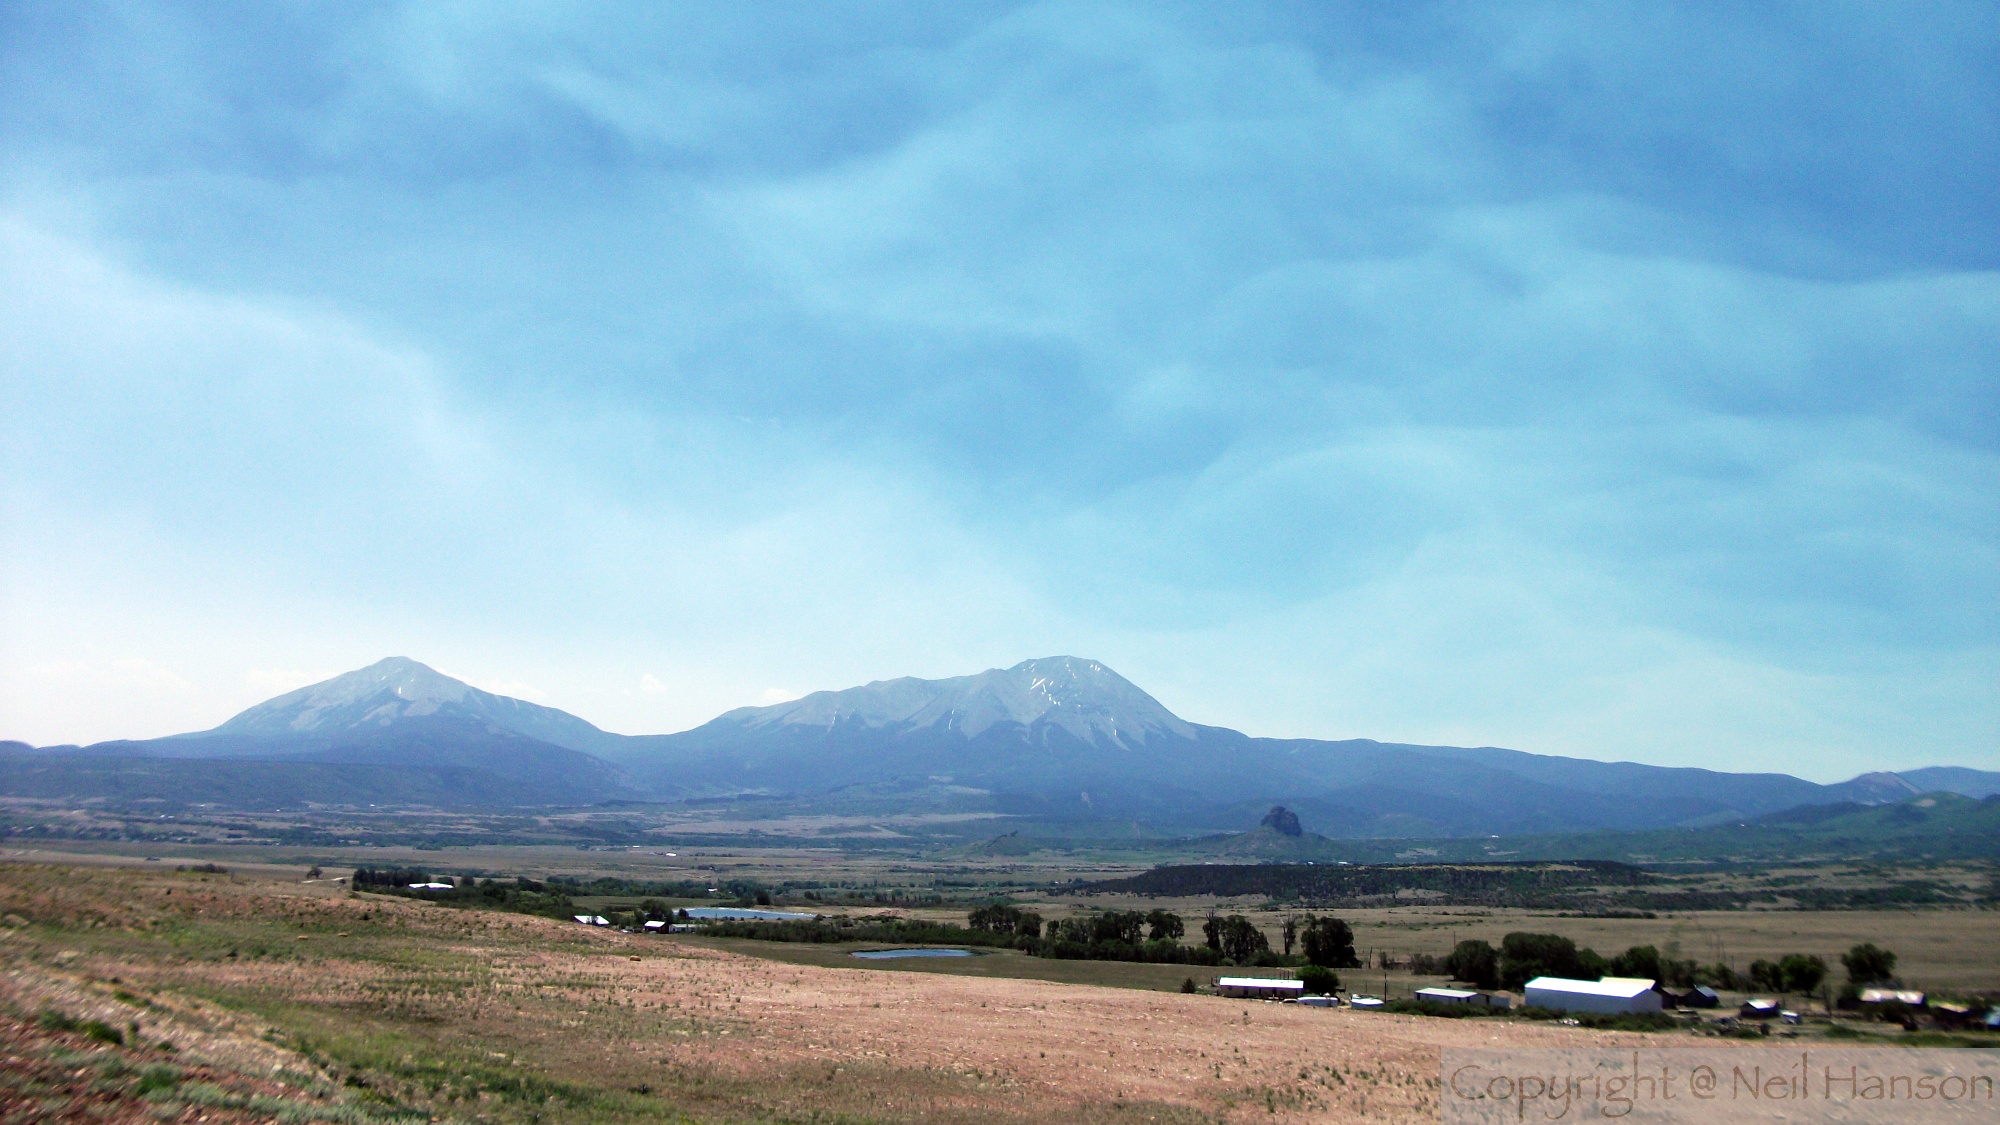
(49,1075)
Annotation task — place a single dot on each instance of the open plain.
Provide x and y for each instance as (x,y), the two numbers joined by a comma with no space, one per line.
(370,1007)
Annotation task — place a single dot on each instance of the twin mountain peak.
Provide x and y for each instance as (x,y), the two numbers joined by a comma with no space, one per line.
(1082,698)
(1058,738)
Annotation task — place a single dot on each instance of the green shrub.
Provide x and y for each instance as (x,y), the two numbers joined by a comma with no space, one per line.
(1475,962)
(1525,956)
(1868,963)
(1800,972)
(1328,942)
(156,1078)
(1236,938)
(1320,980)
(52,1020)
(1432,1008)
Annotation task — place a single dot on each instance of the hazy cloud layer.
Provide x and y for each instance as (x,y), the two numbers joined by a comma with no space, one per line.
(1618,381)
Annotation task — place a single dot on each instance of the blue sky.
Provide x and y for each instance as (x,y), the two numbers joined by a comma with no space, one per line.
(1616,381)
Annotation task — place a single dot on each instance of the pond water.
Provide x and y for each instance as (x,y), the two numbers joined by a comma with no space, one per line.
(891,954)
(738,913)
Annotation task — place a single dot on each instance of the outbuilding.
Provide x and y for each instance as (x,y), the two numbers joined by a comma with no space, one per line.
(1260,988)
(1610,996)
(1893,996)
(1451,996)
(1700,996)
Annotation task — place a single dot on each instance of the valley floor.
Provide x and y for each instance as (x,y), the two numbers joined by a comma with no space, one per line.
(359,1008)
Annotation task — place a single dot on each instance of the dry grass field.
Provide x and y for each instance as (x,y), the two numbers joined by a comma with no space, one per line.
(348,1007)
(302,1001)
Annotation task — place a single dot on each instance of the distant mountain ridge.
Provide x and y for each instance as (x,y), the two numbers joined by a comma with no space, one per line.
(1058,738)
(400,688)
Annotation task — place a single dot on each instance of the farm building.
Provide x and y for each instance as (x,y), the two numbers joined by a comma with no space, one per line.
(1700,996)
(1259,988)
(1758,1008)
(1612,995)
(1952,1013)
(1452,996)
(1892,995)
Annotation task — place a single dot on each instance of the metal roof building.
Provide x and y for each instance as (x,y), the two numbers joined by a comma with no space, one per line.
(1259,988)
(1889,995)
(1612,995)
(1451,996)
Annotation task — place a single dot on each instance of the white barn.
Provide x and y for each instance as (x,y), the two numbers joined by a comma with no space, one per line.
(1260,988)
(1611,996)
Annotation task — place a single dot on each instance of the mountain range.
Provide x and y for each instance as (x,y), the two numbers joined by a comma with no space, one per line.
(1059,739)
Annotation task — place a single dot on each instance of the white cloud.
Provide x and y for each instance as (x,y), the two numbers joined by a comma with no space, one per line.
(1255,367)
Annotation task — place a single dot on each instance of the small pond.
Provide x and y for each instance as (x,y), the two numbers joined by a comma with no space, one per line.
(892,954)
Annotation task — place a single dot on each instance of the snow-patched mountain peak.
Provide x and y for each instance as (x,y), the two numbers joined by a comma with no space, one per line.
(391,688)
(400,688)
(1083,697)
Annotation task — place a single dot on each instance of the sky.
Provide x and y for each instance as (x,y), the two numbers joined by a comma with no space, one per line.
(1617,381)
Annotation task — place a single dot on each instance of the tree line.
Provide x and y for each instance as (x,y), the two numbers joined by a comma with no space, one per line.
(1151,936)
(516,896)
(1522,956)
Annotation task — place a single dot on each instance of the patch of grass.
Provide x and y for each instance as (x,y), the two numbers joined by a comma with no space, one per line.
(1432,1008)
(52,1020)
(157,1078)
(208,1095)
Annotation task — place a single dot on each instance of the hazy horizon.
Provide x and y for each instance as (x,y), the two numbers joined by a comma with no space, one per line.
(1617,382)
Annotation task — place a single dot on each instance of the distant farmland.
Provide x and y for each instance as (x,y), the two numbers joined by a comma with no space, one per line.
(1585,886)
(1488,884)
